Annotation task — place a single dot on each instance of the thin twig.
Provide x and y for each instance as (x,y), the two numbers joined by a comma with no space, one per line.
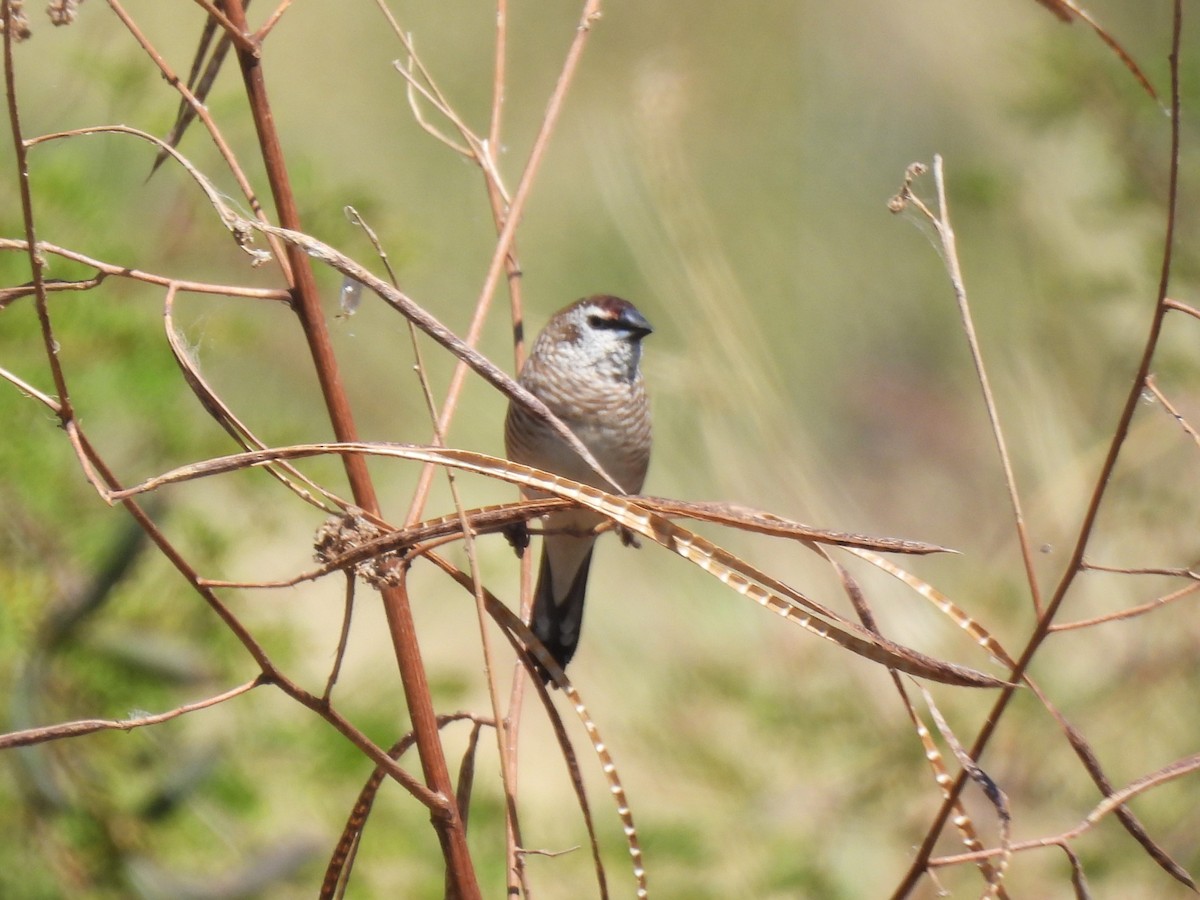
(933,756)
(1171,572)
(949,246)
(1152,387)
(524,642)
(1187,765)
(36,263)
(343,639)
(106,269)
(1074,563)
(504,243)
(272,21)
(1130,613)
(337,873)
(32,736)
(1182,307)
(22,385)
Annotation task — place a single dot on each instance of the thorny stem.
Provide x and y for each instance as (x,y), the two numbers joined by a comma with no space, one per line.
(1075,563)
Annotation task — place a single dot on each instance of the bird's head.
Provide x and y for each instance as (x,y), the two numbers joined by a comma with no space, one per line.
(602,333)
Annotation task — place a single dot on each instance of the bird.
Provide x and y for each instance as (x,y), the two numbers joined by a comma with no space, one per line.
(586,367)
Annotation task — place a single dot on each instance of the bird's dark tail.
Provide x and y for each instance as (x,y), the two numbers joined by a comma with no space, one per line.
(557,621)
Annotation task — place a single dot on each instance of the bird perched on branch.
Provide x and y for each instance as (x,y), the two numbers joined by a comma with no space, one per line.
(585,366)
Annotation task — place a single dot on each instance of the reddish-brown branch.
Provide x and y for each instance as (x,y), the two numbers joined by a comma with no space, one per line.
(399,614)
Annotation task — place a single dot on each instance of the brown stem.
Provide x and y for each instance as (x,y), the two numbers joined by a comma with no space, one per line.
(399,614)
(36,263)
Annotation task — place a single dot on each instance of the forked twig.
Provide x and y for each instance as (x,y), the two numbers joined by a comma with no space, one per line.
(1187,765)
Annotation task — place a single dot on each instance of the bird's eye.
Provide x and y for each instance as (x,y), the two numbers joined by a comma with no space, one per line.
(598,321)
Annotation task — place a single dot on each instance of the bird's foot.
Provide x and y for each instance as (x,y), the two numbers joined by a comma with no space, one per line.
(517,536)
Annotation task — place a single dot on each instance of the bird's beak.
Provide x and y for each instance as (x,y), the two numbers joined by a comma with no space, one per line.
(635,322)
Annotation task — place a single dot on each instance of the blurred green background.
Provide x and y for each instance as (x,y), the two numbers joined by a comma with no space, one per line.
(727,168)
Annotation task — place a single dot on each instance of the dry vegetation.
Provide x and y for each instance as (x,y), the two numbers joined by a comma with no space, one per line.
(195,703)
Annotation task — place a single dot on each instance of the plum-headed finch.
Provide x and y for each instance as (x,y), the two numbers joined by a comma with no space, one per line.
(585,366)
